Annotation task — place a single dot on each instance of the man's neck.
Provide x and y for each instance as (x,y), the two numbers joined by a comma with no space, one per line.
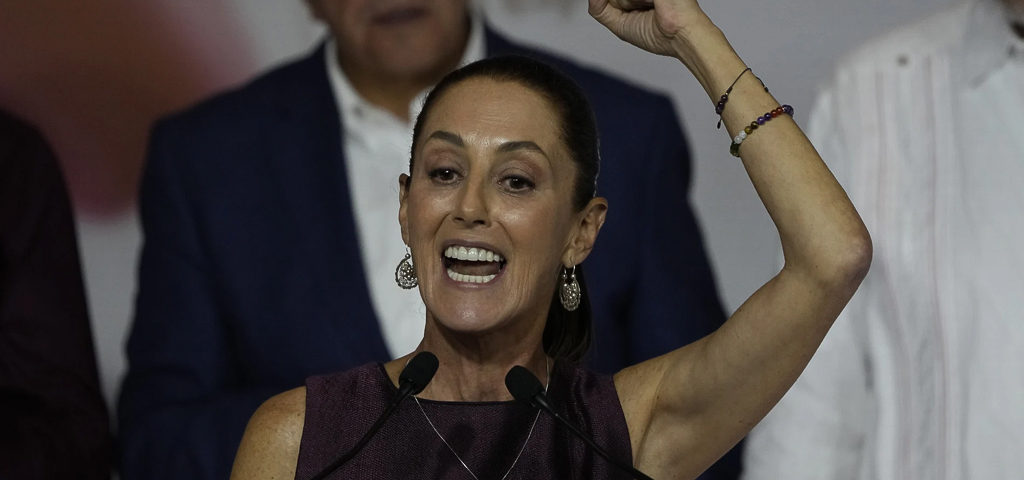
(394,93)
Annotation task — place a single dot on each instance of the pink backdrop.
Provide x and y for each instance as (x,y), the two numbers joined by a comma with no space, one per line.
(94,74)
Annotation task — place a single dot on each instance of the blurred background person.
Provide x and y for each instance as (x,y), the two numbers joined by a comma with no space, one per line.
(53,421)
(271,235)
(921,377)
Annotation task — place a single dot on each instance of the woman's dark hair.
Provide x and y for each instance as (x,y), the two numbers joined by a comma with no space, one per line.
(567,335)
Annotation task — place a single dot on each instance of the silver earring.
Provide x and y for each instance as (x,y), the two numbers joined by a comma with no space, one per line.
(405,274)
(569,291)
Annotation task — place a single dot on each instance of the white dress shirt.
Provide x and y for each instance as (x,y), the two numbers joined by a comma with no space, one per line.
(922,376)
(377,146)
(990,303)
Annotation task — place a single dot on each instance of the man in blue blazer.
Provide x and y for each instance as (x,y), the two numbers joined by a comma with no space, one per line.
(252,279)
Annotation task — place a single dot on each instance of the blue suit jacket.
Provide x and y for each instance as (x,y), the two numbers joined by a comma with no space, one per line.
(251,277)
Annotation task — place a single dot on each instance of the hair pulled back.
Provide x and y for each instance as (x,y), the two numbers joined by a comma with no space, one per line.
(567,335)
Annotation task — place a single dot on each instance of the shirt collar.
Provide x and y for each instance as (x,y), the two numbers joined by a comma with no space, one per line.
(348,100)
(989,42)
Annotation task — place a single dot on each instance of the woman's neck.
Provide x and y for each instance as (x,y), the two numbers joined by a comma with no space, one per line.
(463,376)
(472,365)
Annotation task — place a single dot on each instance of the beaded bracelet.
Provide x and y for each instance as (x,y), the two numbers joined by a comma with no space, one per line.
(720,106)
(734,149)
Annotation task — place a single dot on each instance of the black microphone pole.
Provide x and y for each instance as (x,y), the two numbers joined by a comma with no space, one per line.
(525,387)
(413,379)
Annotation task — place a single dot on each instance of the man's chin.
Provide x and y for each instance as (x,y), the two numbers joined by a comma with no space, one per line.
(416,61)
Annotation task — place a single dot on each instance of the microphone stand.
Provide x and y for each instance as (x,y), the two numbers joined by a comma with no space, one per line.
(525,387)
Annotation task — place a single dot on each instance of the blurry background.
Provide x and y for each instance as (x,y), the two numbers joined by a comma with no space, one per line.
(94,74)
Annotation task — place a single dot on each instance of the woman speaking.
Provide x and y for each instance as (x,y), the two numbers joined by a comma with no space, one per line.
(498,211)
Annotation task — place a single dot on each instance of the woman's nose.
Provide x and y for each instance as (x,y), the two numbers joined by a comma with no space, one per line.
(471,208)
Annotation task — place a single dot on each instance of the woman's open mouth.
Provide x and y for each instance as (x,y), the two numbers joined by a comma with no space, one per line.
(472,264)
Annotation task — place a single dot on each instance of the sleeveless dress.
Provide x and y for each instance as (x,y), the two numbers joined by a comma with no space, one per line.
(488,436)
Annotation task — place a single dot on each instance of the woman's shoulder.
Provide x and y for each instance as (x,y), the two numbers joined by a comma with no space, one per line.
(290,406)
(285,407)
(270,445)
(281,417)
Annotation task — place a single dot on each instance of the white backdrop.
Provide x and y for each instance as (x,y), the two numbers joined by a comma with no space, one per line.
(790,44)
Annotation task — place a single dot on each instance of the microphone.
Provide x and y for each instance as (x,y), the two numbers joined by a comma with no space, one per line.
(413,379)
(416,375)
(525,387)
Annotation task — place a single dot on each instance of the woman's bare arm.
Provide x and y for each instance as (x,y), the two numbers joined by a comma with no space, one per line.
(688,407)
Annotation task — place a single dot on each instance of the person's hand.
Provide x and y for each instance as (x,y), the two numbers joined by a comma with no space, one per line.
(658,26)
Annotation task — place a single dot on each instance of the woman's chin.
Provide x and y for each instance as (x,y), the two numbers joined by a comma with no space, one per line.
(480,309)
(469,320)
(469,307)
(489,321)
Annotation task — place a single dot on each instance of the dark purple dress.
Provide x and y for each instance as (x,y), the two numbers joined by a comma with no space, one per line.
(487,435)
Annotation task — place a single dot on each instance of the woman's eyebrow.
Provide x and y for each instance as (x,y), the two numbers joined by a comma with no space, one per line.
(521,145)
(447,137)
(506,147)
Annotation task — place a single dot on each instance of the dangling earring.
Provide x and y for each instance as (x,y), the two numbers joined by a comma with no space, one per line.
(569,291)
(405,274)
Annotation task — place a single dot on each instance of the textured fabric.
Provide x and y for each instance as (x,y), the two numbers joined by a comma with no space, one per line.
(251,276)
(53,421)
(921,377)
(487,436)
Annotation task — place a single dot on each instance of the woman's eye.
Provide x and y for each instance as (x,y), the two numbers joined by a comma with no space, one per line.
(517,184)
(444,175)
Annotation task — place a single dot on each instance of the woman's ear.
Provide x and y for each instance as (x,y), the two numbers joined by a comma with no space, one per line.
(582,241)
(403,216)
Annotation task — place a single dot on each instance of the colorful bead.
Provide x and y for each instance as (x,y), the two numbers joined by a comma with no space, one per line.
(734,148)
(721,104)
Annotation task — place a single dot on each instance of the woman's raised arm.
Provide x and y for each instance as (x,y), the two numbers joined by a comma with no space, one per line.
(688,407)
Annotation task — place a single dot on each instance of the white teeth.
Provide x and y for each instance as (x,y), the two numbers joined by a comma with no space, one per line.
(473,254)
(458,277)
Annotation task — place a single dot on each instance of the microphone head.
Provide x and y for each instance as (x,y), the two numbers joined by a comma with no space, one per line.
(523,385)
(418,372)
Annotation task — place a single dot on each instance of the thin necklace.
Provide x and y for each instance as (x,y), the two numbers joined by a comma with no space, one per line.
(547,367)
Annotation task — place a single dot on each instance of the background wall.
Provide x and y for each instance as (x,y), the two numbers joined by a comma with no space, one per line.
(95,74)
